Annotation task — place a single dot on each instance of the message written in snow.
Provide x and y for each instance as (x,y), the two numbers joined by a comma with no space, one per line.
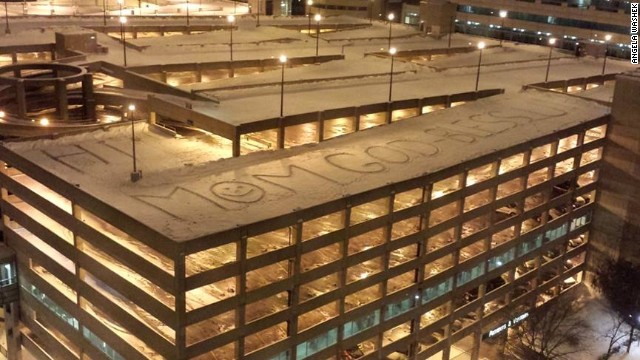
(318,173)
(347,163)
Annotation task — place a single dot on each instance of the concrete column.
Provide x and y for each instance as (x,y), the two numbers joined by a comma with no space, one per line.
(198,72)
(320,121)
(12,331)
(617,215)
(14,57)
(63,101)
(235,145)
(356,117)
(163,76)
(231,70)
(389,112)
(21,99)
(89,101)
(280,129)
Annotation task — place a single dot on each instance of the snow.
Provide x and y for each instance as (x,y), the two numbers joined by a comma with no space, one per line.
(185,193)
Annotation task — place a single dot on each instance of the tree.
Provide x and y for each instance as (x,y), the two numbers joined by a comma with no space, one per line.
(614,334)
(618,281)
(551,332)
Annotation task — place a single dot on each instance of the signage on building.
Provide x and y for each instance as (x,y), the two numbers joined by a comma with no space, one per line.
(497,330)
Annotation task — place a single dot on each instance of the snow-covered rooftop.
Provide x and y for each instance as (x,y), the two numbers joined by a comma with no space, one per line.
(186,192)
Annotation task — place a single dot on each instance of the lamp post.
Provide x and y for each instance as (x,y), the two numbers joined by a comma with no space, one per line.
(104,12)
(371,12)
(231,19)
(503,14)
(392,52)
(258,17)
(480,47)
(607,38)
(187,12)
(317,18)
(309,3)
(6,19)
(135,174)
(452,28)
(123,20)
(390,17)
(120,2)
(283,61)
(552,42)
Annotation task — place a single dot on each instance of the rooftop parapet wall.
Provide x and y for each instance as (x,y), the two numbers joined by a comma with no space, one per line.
(185,195)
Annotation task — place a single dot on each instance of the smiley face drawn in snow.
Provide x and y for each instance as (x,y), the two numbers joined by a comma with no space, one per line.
(237,191)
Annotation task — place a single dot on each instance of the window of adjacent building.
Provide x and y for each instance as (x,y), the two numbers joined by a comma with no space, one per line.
(511,163)
(407,199)
(322,225)
(434,292)
(529,245)
(369,211)
(398,307)
(271,241)
(470,274)
(361,324)
(367,241)
(480,174)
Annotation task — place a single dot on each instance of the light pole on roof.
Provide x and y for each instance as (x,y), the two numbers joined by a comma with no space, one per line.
(317,18)
(6,19)
(231,19)
(480,47)
(135,174)
(123,20)
(552,42)
(283,61)
(503,14)
(392,52)
(607,38)
(309,3)
(390,17)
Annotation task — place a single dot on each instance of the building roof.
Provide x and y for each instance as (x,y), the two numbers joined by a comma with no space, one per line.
(187,193)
